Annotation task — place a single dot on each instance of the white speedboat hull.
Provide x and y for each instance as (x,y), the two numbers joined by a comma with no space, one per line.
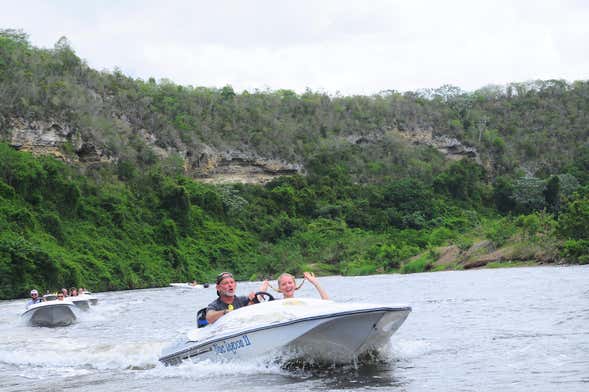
(50,314)
(80,303)
(90,298)
(338,335)
(83,301)
(86,295)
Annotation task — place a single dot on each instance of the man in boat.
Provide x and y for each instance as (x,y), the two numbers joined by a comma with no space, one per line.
(35,299)
(226,300)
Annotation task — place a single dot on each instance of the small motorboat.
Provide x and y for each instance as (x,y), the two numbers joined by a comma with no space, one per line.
(50,313)
(81,301)
(308,329)
(90,297)
(187,285)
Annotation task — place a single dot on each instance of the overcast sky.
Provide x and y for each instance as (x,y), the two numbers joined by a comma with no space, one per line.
(341,46)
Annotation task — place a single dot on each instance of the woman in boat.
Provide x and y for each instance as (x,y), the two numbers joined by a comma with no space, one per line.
(287,285)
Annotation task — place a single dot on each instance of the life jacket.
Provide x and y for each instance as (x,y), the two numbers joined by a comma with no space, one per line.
(201,318)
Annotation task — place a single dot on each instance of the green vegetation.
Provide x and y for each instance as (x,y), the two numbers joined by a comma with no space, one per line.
(59,228)
(362,207)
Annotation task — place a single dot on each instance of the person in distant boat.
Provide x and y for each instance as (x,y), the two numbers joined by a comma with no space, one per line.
(64,292)
(287,285)
(226,300)
(35,299)
(193,284)
(73,292)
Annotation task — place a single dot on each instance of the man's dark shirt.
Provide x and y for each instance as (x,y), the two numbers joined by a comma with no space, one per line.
(238,302)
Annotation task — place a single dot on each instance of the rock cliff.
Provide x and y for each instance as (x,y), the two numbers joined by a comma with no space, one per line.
(205,163)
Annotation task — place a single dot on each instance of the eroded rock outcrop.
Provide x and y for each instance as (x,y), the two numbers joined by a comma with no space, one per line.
(451,147)
(201,161)
(53,138)
(41,137)
(204,163)
(239,166)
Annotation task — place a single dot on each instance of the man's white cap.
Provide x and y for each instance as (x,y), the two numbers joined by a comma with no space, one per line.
(34,292)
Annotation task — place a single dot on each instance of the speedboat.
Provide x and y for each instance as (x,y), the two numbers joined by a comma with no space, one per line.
(50,313)
(89,297)
(309,329)
(81,301)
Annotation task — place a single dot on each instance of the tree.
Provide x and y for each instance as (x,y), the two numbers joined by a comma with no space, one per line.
(462,181)
(574,221)
(552,195)
(503,195)
(528,194)
(573,226)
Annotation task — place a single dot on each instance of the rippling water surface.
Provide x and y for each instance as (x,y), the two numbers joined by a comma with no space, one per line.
(520,329)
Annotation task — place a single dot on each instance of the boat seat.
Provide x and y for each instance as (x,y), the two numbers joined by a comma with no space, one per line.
(201,318)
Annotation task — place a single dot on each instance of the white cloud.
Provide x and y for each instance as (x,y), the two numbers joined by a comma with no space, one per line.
(354,47)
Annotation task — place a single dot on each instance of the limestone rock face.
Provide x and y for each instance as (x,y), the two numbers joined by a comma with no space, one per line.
(201,161)
(51,138)
(41,137)
(238,166)
(204,162)
(451,147)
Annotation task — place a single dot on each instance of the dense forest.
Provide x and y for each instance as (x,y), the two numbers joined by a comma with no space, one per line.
(357,208)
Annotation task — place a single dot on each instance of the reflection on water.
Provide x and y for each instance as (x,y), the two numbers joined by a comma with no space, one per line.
(488,330)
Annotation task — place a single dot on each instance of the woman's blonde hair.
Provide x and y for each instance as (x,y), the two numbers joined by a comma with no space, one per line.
(283,275)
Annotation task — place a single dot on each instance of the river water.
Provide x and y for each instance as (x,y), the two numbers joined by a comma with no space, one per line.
(518,329)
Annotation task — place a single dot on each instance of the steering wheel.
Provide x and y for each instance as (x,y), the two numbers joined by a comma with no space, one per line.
(262,294)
